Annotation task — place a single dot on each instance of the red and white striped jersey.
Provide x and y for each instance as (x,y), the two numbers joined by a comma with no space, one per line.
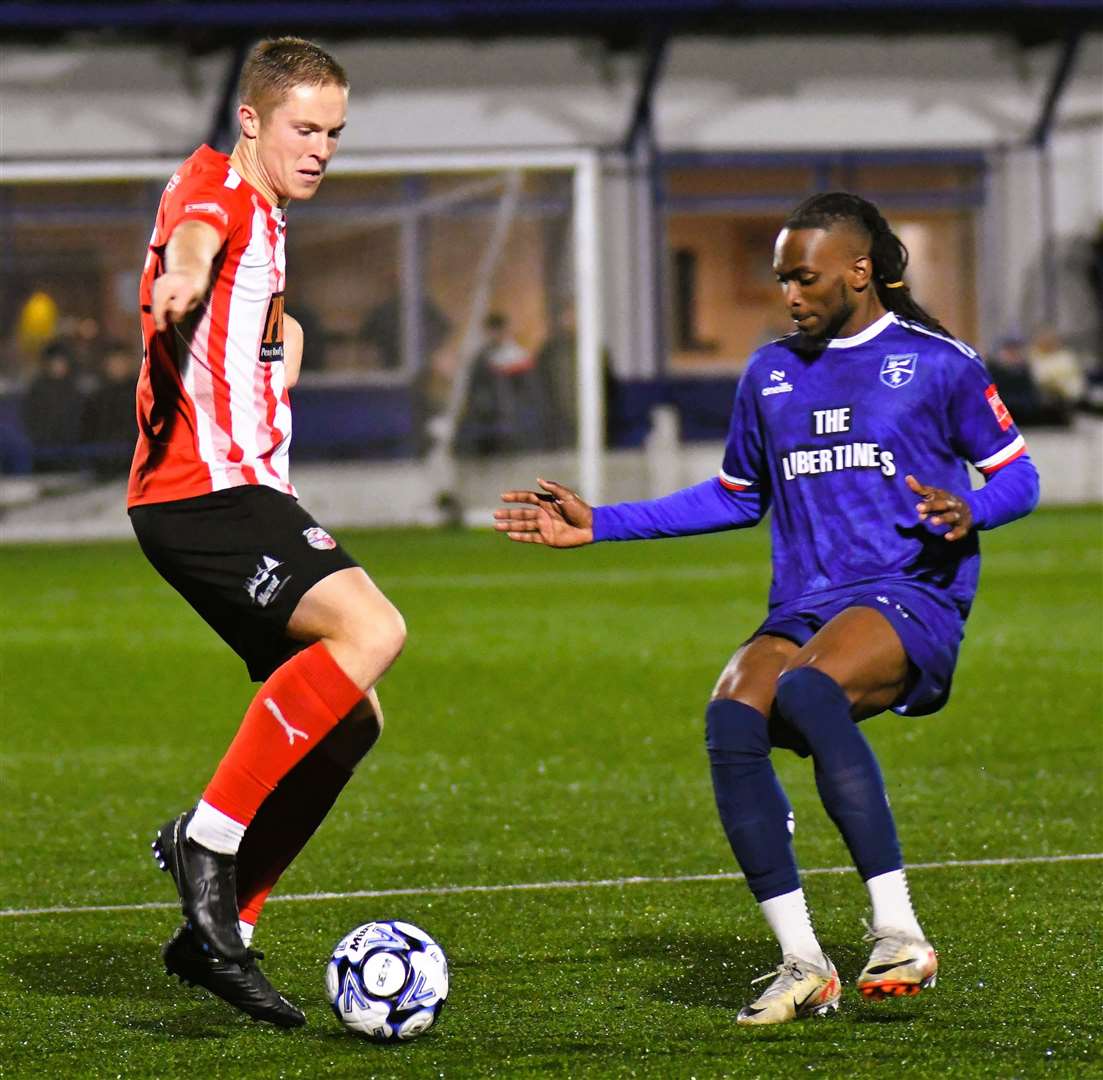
(213,410)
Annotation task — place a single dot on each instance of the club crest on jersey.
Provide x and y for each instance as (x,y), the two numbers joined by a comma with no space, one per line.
(898,369)
(318,538)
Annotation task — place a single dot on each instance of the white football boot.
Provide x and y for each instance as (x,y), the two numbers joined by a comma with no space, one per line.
(799,989)
(899,966)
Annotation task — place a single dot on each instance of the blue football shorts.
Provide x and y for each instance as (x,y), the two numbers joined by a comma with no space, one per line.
(929,626)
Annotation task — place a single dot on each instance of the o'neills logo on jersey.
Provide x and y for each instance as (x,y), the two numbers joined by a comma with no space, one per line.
(780,384)
(859,455)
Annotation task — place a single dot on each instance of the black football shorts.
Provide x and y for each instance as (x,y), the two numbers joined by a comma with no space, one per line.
(243,558)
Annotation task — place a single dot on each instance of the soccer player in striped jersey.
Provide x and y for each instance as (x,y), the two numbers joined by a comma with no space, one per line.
(856,429)
(215,512)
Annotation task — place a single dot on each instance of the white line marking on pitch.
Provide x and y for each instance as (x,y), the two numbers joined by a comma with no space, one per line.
(531,886)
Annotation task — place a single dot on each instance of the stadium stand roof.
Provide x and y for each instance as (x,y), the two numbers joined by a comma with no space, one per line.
(205,23)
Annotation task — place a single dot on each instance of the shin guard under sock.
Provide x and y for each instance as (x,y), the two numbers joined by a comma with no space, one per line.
(289,816)
(753,808)
(847,774)
(300,703)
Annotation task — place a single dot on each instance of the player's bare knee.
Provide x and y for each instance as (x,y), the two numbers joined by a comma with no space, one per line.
(798,662)
(388,632)
(853,692)
(751,675)
(376,632)
(789,667)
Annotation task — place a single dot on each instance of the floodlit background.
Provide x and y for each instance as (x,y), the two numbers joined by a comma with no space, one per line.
(544,249)
(546,237)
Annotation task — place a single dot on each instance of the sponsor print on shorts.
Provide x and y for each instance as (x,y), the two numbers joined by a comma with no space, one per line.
(318,538)
(265,585)
(885,600)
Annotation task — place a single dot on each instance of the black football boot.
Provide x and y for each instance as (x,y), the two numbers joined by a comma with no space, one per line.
(241,985)
(207,884)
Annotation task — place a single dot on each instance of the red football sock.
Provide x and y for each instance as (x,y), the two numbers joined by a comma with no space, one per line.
(301,701)
(283,825)
(292,813)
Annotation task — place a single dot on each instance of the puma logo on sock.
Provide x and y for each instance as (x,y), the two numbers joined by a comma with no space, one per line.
(292,732)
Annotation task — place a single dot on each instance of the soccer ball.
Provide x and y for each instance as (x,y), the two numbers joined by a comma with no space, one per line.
(387,981)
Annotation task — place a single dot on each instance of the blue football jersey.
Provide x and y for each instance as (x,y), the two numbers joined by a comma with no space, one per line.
(827,436)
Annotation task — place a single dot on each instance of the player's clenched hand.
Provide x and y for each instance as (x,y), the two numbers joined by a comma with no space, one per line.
(555,516)
(938,507)
(174,295)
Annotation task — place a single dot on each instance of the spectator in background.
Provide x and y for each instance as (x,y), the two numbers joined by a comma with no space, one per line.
(1095,283)
(109,422)
(314,338)
(1093,391)
(86,349)
(502,412)
(37,324)
(382,331)
(557,377)
(1056,370)
(1010,370)
(52,409)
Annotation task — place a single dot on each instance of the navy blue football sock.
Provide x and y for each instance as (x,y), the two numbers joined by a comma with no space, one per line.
(847,774)
(753,808)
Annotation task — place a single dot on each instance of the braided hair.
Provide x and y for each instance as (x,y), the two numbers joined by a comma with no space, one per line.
(886,249)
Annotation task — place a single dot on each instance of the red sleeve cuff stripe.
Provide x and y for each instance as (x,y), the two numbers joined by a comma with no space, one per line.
(734,483)
(1015,448)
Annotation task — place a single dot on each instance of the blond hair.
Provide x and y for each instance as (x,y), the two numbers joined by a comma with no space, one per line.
(276,66)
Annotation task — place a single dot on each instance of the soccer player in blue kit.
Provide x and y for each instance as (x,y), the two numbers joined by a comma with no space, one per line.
(856,429)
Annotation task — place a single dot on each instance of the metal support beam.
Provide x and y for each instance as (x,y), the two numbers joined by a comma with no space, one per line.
(1069,48)
(640,126)
(650,235)
(1047,218)
(1040,141)
(222,130)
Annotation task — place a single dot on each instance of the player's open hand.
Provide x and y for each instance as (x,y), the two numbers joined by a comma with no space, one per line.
(555,516)
(938,507)
(174,295)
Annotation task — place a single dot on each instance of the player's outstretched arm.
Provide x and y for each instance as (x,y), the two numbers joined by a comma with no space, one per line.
(292,350)
(939,507)
(556,517)
(189,255)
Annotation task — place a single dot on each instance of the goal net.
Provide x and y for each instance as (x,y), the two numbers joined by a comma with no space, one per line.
(451,320)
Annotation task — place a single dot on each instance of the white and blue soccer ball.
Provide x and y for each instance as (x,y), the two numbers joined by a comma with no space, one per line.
(387,981)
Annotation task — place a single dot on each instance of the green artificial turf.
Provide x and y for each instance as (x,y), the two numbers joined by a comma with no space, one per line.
(545,725)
